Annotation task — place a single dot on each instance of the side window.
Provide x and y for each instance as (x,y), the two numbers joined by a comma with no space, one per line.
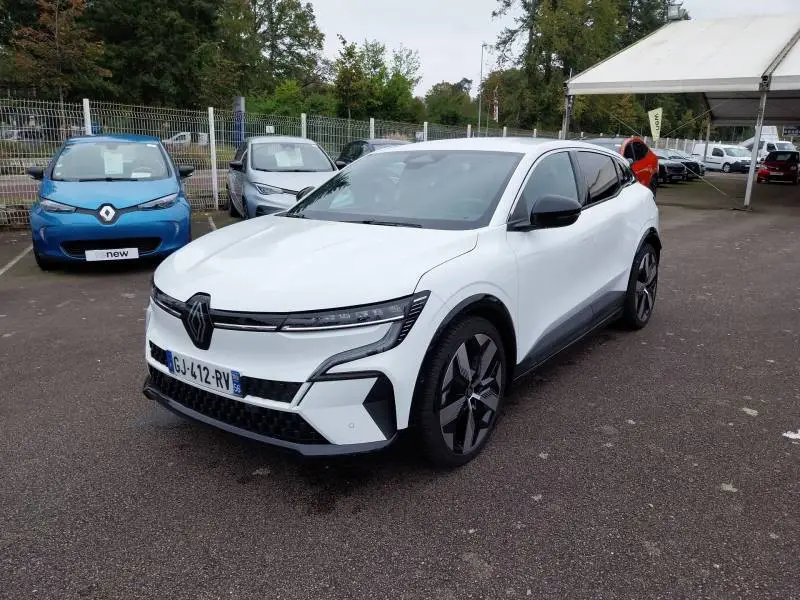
(240,152)
(363,149)
(553,176)
(600,175)
(349,151)
(626,175)
(628,152)
(639,150)
(717,152)
(771,148)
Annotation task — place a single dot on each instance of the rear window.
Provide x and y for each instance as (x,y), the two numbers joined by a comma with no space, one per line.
(783,157)
(110,161)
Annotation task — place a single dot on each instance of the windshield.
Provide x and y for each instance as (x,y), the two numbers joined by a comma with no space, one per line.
(433,189)
(288,157)
(110,161)
(662,153)
(610,145)
(785,146)
(740,152)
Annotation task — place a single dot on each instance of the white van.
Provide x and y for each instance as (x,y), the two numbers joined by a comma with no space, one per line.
(767,146)
(724,157)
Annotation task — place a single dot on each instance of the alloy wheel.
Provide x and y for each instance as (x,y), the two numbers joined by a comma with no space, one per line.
(470,394)
(646,284)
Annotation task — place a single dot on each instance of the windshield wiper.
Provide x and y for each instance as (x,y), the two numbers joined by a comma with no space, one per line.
(387,223)
(107,179)
(294,215)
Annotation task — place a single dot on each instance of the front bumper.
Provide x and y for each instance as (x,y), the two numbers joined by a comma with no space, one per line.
(259,205)
(66,236)
(287,399)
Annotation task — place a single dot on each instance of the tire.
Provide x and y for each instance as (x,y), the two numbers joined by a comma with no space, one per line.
(452,435)
(726,168)
(45,264)
(640,298)
(232,210)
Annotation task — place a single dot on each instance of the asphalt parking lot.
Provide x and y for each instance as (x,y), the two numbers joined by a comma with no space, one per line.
(644,465)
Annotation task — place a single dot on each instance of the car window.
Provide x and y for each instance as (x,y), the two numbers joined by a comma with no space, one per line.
(639,150)
(435,189)
(288,157)
(552,176)
(363,149)
(783,157)
(600,176)
(626,174)
(100,161)
(717,152)
(770,147)
(244,161)
(349,152)
(240,152)
(628,153)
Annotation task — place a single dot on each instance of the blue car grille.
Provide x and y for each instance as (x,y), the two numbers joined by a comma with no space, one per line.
(77,248)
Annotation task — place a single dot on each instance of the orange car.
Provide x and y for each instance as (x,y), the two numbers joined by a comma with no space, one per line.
(642,160)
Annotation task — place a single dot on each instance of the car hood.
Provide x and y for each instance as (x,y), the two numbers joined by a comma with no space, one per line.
(280,264)
(669,162)
(294,182)
(120,194)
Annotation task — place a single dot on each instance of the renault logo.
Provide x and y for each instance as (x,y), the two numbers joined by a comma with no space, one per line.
(107,213)
(197,320)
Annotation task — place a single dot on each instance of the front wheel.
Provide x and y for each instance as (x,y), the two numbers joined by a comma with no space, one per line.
(726,168)
(232,210)
(459,392)
(640,298)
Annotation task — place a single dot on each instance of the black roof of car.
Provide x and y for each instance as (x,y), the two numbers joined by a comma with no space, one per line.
(385,142)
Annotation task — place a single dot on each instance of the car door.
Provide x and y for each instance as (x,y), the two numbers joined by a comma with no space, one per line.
(715,159)
(610,203)
(554,266)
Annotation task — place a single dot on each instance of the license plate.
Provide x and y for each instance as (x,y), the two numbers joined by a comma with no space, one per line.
(781,173)
(203,374)
(112,254)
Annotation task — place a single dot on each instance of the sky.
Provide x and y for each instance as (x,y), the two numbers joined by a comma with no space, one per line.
(448,33)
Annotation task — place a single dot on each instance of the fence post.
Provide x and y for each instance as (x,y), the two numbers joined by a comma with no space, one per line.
(425,131)
(303,125)
(535,132)
(212,145)
(469,130)
(371,128)
(87,117)
(505,131)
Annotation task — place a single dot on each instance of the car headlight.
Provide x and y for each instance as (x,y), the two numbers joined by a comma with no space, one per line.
(55,207)
(267,190)
(163,202)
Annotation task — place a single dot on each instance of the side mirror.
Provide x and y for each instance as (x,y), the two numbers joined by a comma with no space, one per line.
(341,164)
(550,212)
(185,171)
(236,165)
(305,192)
(36,172)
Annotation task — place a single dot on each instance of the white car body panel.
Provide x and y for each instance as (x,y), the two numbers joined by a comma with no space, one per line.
(544,279)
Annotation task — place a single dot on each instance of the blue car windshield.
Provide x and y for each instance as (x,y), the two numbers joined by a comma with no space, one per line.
(111,161)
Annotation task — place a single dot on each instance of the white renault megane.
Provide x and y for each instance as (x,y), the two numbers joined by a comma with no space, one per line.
(406,292)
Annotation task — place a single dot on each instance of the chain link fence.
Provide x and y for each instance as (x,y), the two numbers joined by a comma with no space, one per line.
(31,131)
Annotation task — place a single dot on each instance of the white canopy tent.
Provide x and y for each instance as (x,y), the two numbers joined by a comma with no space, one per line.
(748,69)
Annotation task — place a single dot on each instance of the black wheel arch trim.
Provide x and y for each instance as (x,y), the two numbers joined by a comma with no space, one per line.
(475,304)
(651,235)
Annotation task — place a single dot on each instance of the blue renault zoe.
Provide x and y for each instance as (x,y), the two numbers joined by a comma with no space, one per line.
(109,198)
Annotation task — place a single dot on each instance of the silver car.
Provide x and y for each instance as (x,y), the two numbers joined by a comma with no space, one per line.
(267,173)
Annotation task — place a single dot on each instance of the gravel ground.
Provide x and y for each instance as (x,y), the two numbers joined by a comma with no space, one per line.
(644,465)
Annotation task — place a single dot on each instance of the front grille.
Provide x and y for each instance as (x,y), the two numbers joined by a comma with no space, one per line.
(285,426)
(262,210)
(145,245)
(675,170)
(279,391)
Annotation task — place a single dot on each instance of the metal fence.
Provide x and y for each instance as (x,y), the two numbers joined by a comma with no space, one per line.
(32,130)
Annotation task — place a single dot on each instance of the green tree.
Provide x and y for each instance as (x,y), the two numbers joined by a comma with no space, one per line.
(156,48)
(406,63)
(352,83)
(59,55)
(13,15)
(449,103)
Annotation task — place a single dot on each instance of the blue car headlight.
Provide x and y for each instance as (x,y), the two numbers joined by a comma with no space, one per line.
(163,202)
(52,206)
(267,190)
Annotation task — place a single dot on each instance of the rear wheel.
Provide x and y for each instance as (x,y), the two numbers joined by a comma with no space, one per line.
(640,298)
(459,392)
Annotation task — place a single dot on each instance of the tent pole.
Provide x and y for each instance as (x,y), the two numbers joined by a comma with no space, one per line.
(708,140)
(567,115)
(751,176)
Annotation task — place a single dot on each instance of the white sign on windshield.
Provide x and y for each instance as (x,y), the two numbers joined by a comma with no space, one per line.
(113,163)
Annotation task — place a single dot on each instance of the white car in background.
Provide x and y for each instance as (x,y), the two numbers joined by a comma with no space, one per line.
(406,292)
(268,173)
